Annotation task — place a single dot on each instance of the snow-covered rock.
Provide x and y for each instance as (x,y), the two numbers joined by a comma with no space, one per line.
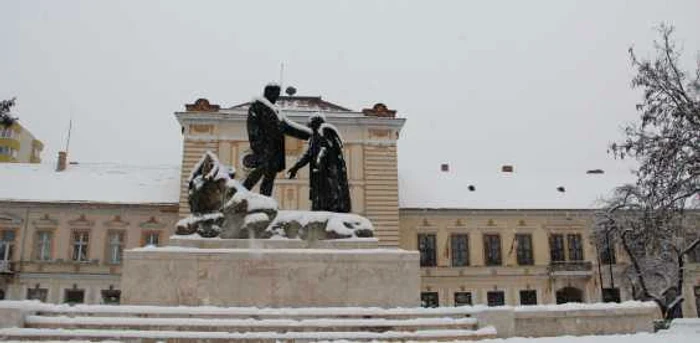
(320,225)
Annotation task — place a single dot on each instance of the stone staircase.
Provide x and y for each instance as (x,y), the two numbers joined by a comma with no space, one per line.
(150,324)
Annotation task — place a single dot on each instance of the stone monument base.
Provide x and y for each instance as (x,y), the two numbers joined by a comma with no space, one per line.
(271,273)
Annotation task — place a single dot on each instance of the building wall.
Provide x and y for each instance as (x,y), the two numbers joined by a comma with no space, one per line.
(543,277)
(59,271)
(369,151)
(17,144)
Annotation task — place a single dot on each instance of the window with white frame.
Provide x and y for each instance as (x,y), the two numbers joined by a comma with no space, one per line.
(7,151)
(7,132)
(115,247)
(151,238)
(7,240)
(80,243)
(43,245)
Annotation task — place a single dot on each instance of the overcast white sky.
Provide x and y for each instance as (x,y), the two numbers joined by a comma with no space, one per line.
(540,84)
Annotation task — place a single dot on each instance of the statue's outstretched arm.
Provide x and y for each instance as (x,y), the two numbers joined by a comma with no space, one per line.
(303,160)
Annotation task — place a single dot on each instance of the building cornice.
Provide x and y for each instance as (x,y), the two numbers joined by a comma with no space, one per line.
(338,118)
(87,204)
(452,211)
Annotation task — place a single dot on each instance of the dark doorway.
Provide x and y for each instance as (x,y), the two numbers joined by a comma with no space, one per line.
(569,295)
(2,294)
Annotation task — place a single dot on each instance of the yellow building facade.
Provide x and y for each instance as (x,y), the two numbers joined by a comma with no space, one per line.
(60,253)
(370,137)
(498,238)
(502,257)
(18,145)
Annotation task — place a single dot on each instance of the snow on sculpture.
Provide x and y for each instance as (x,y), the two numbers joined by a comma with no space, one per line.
(328,188)
(222,207)
(267,128)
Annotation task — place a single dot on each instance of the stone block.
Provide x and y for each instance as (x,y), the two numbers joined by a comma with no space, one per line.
(11,317)
(271,275)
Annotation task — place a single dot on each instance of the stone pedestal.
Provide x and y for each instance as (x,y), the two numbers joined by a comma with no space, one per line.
(271,273)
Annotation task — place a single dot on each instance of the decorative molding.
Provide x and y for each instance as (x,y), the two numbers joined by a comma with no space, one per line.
(81,221)
(116,222)
(152,224)
(201,129)
(379,110)
(379,133)
(8,219)
(202,105)
(187,118)
(388,142)
(45,222)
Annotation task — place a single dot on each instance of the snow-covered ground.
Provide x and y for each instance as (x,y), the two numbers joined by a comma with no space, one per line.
(636,338)
(684,331)
(669,336)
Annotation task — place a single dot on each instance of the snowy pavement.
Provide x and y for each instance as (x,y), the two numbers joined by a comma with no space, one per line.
(683,335)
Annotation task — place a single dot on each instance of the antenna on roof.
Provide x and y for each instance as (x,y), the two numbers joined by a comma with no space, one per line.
(282,75)
(70,126)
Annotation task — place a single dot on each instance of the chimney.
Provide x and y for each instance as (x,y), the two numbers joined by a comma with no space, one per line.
(62,157)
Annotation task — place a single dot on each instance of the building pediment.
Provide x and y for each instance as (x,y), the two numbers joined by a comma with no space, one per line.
(45,222)
(81,221)
(152,223)
(300,103)
(116,222)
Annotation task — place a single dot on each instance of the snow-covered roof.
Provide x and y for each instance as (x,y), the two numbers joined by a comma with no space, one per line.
(90,182)
(493,189)
(418,188)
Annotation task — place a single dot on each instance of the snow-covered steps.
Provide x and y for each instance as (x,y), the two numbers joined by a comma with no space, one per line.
(243,312)
(149,324)
(218,336)
(250,324)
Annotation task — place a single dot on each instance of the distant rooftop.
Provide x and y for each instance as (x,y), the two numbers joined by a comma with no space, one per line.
(524,188)
(301,103)
(431,187)
(90,182)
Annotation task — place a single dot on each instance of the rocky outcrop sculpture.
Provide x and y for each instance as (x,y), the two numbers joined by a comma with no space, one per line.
(222,207)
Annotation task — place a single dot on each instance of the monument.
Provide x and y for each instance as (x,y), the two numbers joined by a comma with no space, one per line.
(237,248)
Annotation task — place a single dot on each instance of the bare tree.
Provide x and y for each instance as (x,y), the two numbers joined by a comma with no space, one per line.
(5,118)
(656,241)
(653,219)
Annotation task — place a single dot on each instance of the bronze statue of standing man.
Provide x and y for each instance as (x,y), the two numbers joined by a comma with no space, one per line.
(266,129)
